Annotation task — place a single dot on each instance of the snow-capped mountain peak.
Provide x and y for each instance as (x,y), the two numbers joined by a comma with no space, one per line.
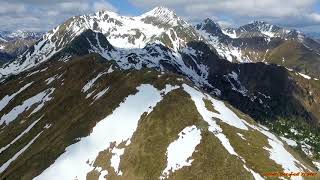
(161,11)
(264,28)
(162,16)
(123,32)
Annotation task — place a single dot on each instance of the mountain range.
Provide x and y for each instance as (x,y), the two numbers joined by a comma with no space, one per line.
(154,97)
(263,42)
(314,35)
(14,43)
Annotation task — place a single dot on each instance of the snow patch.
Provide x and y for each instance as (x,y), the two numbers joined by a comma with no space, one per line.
(14,157)
(51,79)
(317,164)
(304,76)
(100,94)
(169,88)
(90,84)
(103,174)
(306,149)
(20,135)
(279,154)
(241,136)
(256,176)
(282,157)
(115,159)
(207,115)
(238,86)
(179,151)
(110,70)
(5,100)
(40,99)
(289,141)
(231,33)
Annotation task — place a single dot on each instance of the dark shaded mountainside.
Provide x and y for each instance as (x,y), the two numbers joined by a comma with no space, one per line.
(52,106)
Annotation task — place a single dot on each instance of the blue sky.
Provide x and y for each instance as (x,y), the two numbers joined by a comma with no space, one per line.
(125,7)
(43,15)
(317,7)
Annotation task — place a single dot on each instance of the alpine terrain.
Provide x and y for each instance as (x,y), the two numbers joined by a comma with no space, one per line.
(12,44)
(105,96)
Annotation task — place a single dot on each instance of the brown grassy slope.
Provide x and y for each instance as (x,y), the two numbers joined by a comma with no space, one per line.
(296,56)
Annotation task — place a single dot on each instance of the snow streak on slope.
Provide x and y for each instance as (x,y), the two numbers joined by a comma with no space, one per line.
(100,94)
(279,154)
(225,115)
(228,52)
(181,149)
(20,135)
(6,164)
(39,99)
(90,84)
(305,76)
(51,79)
(117,127)
(5,100)
(230,32)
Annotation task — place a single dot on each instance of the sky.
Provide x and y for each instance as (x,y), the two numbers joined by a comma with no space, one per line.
(43,15)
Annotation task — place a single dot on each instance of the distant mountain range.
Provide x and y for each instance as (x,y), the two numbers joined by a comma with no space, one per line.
(14,43)
(153,97)
(263,42)
(314,35)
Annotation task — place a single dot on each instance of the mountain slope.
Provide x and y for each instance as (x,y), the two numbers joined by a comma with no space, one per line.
(249,87)
(136,106)
(81,72)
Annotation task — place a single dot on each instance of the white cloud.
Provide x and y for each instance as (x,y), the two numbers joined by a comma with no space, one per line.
(43,15)
(241,11)
(103,5)
(74,6)
(315,17)
(224,24)
(6,7)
